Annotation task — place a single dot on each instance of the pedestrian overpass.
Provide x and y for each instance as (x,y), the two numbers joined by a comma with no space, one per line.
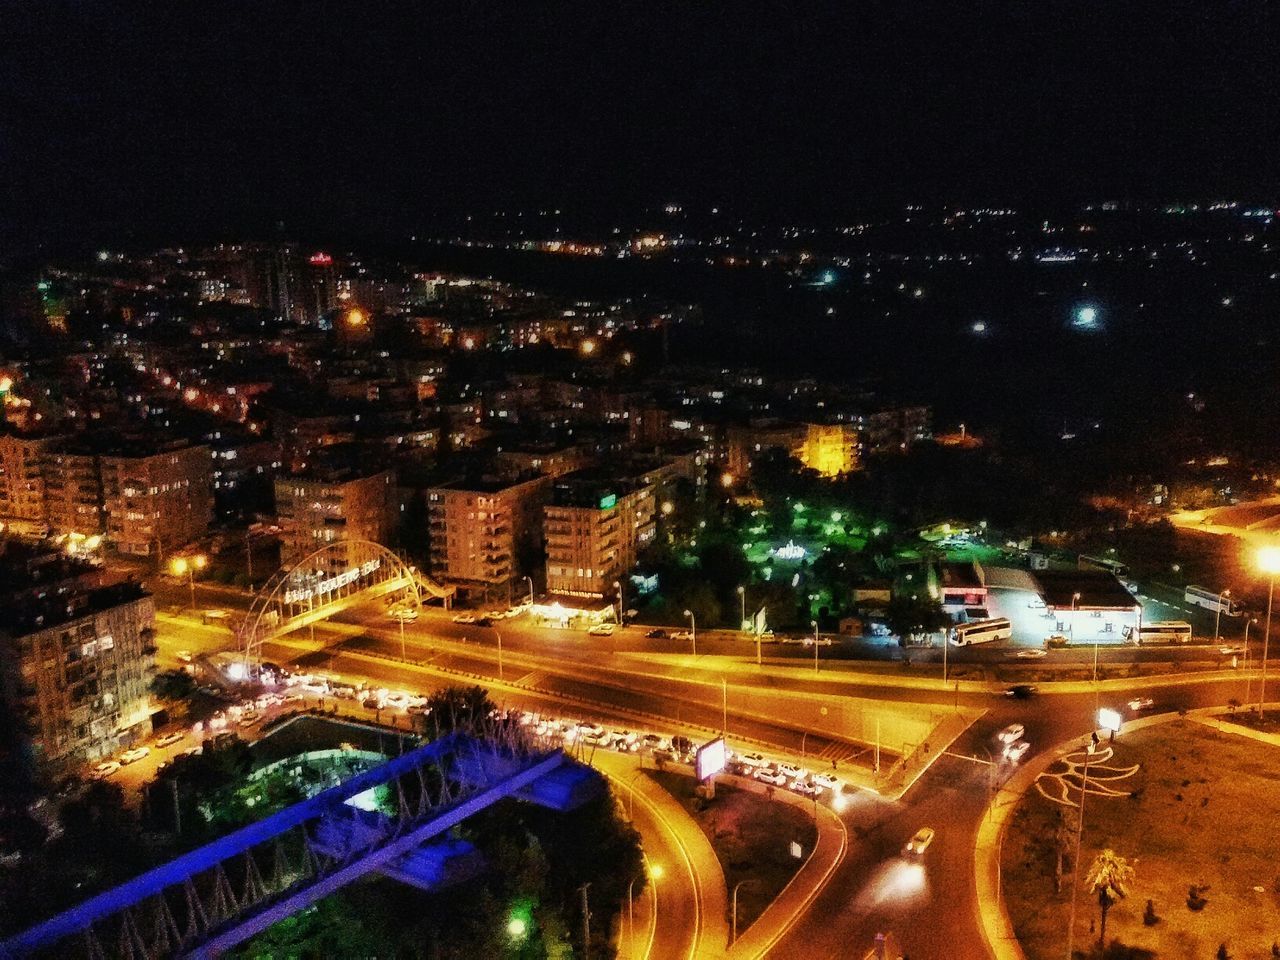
(339,575)
(391,820)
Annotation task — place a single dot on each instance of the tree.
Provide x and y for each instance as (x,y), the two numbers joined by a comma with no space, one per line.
(910,617)
(173,685)
(458,708)
(1064,831)
(1109,878)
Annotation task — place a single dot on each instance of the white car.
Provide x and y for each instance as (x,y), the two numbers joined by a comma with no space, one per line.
(920,842)
(752,760)
(403,614)
(464,618)
(169,739)
(792,771)
(827,781)
(1138,704)
(1010,734)
(804,788)
(1031,653)
(1016,751)
(134,755)
(105,769)
(602,630)
(771,776)
(682,635)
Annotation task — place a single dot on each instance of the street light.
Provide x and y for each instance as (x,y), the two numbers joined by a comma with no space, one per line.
(1217,617)
(1075,864)
(734,938)
(1246,657)
(742,596)
(1268,563)
(530,579)
(617,585)
(814,624)
(180,565)
(693,631)
(1074,598)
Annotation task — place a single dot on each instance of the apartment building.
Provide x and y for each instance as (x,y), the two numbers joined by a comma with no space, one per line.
(22,506)
(157,499)
(77,656)
(326,504)
(486,532)
(830,448)
(594,529)
(73,492)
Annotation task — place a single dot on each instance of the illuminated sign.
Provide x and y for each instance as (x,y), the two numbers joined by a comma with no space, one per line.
(711,758)
(321,260)
(299,594)
(1109,719)
(609,501)
(792,551)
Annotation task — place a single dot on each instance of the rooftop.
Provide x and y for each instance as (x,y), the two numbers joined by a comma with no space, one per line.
(1098,590)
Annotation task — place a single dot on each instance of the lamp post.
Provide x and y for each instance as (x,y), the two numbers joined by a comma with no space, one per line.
(1075,864)
(1074,598)
(1268,563)
(814,624)
(693,631)
(617,585)
(189,566)
(499,637)
(530,582)
(1217,617)
(1246,657)
(733,938)
(742,596)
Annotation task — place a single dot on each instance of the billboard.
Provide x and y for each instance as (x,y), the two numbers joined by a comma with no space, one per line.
(711,758)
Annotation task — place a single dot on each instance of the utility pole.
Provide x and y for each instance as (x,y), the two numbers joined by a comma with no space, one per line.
(586,922)
(1075,866)
(724,693)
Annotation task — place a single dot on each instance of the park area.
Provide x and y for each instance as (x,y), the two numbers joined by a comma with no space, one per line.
(1192,810)
(751,836)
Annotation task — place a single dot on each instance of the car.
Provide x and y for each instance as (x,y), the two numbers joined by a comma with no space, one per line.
(403,614)
(1057,640)
(625,736)
(169,739)
(184,656)
(770,776)
(1020,691)
(494,615)
(193,751)
(792,771)
(1138,704)
(657,634)
(1031,653)
(602,630)
(651,741)
(821,641)
(918,844)
(1015,751)
(828,781)
(464,618)
(793,641)
(134,755)
(682,635)
(753,760)
(105,769)
(1231,650)
(1011,734)
(804,788)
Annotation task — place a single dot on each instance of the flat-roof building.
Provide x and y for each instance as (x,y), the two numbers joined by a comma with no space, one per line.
(325,505)
(486,532)
(595,526)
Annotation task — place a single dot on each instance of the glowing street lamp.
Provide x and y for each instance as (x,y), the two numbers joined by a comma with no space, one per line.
(814,624)
(693,631)
(180,565)
(1217,617)
(1268,563)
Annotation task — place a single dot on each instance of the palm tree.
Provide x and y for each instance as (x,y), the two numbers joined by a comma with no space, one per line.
(1109,877)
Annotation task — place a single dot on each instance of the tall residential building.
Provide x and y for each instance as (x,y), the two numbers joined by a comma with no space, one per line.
(270,278)
(324,505)
(73,492)
(77,656)
(594,528)
(157,499)
(22,507)
(486,532)
(830,448)
(896,429)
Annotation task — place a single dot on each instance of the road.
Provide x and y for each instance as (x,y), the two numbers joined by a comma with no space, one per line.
(928,904)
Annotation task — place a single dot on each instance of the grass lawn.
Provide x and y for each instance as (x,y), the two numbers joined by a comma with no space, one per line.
(751,836)
(1204,812)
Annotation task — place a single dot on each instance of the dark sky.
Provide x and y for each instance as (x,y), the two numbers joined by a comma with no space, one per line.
(204,117)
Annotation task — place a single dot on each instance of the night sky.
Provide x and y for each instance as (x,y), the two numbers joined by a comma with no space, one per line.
(199,119)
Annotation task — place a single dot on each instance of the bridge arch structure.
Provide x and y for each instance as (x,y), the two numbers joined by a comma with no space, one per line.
(326,581)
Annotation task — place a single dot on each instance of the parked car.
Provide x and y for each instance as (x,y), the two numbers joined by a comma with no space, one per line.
(169,739)
(602,630)
(804,788)
(134,755)
(105,769)
(1031,653)
(656,634)
(791,770)
(1010,734)
(918,844)
(1138,704)
(828,781)
(403,614)
(682,635)
(771,776)
(753,760)
(1016,751)
(464,618)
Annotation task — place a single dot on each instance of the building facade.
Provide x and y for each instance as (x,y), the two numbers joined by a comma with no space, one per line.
(73,493)
(157,501)
(486,532)
(324,506)
(77,657)
(594,530)
(22,506)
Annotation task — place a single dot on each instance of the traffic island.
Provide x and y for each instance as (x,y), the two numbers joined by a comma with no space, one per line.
(752,836)
(1191,812)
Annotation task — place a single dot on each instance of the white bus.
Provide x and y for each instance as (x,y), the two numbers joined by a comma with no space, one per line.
(1211,600)
(1159,631)
(981,631)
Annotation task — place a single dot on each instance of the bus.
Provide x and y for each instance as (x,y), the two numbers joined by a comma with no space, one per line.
(981,631)
(1084,562)
(1159,631)
(1217,601)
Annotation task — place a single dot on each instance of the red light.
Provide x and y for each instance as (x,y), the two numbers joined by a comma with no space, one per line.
(321,260)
